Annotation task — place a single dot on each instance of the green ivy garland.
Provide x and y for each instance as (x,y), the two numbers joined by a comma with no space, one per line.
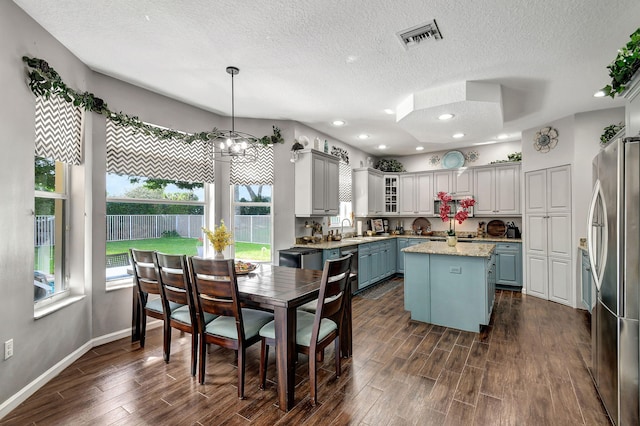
(610,132)
(45,81)
(624,66)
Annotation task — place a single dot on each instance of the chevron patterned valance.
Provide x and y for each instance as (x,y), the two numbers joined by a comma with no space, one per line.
(344,182)
(136,154)
(58,130)
(259,172)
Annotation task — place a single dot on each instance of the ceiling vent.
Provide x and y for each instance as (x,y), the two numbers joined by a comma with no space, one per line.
(415,35)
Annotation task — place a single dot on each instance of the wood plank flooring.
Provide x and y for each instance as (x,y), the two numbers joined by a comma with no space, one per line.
(529,367)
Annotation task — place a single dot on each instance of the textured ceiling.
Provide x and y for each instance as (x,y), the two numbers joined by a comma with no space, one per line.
(317,61)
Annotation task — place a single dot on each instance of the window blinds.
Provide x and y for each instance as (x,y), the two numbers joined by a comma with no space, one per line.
(344,182)
(259,172)
(58,130)
(133,153)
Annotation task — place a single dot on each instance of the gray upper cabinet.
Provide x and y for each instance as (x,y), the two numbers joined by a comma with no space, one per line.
(458,183)
(316,184)
(497,190)
(416,193)
(368,192)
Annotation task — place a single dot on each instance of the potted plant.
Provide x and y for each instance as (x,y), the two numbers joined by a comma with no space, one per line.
(461,215)
(624,66)
(389,165)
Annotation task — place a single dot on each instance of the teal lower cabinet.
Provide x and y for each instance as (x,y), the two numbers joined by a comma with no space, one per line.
(330,254)
(509,264)
(451,291)
(376,262)
(587,282)
(402,243)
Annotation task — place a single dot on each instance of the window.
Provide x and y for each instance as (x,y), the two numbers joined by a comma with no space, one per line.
(151,214)
(346,212)
(252,222)
(50,229)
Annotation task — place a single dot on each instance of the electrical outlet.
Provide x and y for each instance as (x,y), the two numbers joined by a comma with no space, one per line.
(8,349)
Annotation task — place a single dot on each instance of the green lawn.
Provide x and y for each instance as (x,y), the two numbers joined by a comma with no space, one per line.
(177,245)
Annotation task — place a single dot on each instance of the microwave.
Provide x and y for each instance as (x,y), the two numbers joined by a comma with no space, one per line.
(455,206)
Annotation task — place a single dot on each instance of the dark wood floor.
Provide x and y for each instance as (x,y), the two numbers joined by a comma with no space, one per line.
(527,368)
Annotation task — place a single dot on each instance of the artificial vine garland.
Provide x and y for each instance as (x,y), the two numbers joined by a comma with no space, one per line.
(45,81)
(609,132)
(624,66)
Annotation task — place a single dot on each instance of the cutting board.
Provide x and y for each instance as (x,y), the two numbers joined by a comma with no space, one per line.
(496,228)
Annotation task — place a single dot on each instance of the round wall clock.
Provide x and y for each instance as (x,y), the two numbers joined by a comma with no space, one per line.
(545,139)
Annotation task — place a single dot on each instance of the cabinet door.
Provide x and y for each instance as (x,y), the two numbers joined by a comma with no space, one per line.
(560,280)
(442,182)
(364,270)
(391,195)
(332,185)
(537,276)
(375,192)
(462,182)
(507,198)
(536,233)
(559,189)
(318,175)
(507,268)
(536,192)
(402,243)
(484,181)
(407,193)
(424,194)
(376,265)
(559,234)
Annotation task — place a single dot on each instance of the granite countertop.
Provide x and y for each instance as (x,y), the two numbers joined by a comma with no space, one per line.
(471,250)
(328,245)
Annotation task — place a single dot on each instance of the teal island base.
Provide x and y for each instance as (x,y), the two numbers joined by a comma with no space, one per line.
(450,290)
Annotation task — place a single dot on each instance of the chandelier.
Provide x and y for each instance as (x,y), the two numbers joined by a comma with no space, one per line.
(232,143)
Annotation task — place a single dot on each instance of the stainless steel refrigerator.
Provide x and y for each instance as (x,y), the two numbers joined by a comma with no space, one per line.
(613,236)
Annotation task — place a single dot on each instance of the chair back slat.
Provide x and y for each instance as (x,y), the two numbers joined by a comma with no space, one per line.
(333,287)
(174,278)
(215,288)
(145,271)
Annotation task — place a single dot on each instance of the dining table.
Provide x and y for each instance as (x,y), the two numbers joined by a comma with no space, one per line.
(281,290)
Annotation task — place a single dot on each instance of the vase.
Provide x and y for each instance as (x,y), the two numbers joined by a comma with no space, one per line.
(452,240)
(219,255)
(200,250)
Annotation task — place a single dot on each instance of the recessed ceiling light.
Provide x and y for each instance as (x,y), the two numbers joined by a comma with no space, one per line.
(338,122)
(382,147)
(503,136)
(446,117)
(598,94)
(363,136)
(458,135)
(485,143)
(419,148)
(389,111)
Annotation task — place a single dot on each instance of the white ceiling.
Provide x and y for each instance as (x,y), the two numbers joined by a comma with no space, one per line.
(316,61)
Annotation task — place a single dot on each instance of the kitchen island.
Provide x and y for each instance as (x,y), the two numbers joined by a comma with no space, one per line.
(450,286)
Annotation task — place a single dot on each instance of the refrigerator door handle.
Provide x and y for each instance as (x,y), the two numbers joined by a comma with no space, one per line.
(597,271)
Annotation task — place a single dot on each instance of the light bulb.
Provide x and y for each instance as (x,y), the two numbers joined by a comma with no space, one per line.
(229,142)
(243,145)
(222,145)
(236,148)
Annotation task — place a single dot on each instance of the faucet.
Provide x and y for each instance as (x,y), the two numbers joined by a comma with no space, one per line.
(342,225)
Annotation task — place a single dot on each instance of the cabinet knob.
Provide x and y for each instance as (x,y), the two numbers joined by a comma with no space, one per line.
(588,269)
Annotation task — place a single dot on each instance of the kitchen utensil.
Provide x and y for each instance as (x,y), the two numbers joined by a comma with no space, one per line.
(496,228)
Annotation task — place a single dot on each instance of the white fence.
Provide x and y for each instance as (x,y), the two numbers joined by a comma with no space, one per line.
(248,229)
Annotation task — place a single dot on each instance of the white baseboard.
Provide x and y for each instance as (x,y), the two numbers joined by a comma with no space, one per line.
(18,398)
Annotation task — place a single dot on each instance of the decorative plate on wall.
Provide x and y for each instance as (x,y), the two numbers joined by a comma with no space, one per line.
(452,160)
(472,156)
(545,139)
(434,160)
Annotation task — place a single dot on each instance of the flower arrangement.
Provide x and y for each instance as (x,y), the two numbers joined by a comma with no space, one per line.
(220,237)
(460,216)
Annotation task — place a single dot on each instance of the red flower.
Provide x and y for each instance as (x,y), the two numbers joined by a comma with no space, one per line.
(460,216)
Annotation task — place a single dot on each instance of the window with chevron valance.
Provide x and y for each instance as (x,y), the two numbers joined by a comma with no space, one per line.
(133,153)
(259,172)
(344,182)
(58,130)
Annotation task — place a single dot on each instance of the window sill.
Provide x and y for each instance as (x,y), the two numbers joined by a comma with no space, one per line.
(120,284)
(56,306)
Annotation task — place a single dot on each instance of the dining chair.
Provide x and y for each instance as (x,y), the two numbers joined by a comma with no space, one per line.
(215,288)
(314,332)
(146,278)
(175,287)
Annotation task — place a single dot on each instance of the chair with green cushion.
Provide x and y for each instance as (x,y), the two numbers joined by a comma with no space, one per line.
(215,289)
(314,332)
(146,278)
(175,287)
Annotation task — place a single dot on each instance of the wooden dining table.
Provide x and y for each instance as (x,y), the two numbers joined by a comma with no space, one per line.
(282,290)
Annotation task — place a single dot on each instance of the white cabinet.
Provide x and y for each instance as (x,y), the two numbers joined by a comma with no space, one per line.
(316,184)
(416,193)
(457,182)
(548,248)
(497,190)
(391,195)
(368,192)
